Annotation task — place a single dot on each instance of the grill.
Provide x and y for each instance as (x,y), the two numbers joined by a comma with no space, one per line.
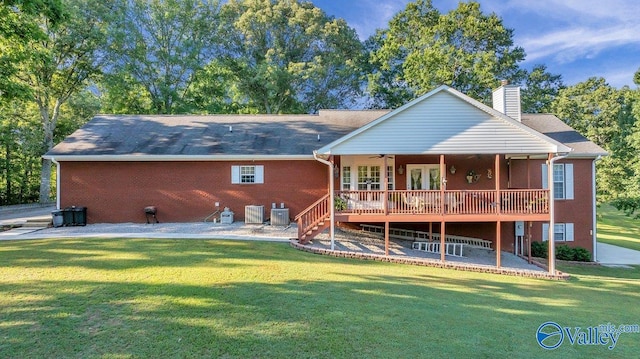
(151,211)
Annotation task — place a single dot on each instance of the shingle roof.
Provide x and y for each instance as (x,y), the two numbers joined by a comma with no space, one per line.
(553,127)
(210,135)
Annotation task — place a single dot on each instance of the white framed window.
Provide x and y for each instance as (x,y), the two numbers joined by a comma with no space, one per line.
(247,174)
(390,184)
(562,232)
(346,178)
(562,180)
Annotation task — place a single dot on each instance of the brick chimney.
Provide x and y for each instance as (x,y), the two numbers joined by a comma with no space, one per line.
(506,99)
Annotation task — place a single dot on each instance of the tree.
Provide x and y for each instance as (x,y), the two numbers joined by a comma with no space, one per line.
(540,90)
(288,56)
(17,30)
(602,114)
(629,201)
(60,65)
(156,47)
(422,49)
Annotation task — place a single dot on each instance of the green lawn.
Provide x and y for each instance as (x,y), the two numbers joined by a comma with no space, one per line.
(617,229)
(122,298)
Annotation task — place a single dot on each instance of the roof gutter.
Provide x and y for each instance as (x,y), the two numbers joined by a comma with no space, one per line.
(332,227)
(151,158)
(552,220)
(57,181)
(594,219)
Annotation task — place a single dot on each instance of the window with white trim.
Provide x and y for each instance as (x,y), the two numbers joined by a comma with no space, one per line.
(390,185)
(562,232)
(562,180)
(346,178)
(247,174)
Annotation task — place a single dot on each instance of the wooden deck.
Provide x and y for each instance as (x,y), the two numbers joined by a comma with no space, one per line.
(452,206)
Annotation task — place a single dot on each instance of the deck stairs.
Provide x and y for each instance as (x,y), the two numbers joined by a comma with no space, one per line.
(314,219)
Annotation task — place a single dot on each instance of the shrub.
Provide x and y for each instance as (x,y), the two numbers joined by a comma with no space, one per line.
(582,255)
(563,252)
(539,249)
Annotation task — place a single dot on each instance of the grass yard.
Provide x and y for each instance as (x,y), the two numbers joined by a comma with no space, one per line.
(125,298)
(617,229)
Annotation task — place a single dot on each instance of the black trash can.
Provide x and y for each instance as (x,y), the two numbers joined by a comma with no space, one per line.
(67,216)
(79,216)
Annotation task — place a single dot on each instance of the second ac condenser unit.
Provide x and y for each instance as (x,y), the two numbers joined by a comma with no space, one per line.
(280,216)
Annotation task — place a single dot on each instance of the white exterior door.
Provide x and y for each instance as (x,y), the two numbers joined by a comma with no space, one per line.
(369,178)
(423,177)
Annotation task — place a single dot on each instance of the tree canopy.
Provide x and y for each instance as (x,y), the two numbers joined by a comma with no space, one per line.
(422,48)
(289,56)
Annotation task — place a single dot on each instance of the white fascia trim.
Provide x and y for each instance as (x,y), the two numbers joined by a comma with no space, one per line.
(183,158)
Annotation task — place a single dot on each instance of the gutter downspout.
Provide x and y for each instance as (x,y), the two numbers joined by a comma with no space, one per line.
(594,219)
(57,182)
(552,220)
(332,227)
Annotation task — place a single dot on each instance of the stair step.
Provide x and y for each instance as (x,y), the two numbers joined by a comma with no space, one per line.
(36,224)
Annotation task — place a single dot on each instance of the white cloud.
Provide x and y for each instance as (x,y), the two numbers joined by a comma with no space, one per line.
(570,44)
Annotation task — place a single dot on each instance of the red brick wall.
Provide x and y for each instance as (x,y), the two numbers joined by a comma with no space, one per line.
(578,211)
(117,192)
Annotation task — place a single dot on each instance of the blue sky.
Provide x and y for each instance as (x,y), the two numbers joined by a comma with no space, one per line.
(577,39)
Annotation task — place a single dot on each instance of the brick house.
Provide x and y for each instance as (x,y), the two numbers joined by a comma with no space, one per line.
(442,163)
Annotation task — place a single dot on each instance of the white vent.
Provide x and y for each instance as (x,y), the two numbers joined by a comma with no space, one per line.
(253,214)
(280,217)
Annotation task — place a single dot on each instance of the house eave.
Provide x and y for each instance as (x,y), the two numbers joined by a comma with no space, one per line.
(173,158)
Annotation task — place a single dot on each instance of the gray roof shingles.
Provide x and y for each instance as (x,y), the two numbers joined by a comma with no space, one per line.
(211,135)
(551,126)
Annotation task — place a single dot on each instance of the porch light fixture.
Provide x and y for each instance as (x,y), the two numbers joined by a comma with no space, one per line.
(336,171)
(452,169)
(400,170)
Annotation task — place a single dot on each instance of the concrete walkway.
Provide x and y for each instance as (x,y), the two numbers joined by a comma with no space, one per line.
(608,254)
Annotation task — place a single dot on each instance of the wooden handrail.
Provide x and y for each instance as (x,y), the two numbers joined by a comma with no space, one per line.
(313,215)
(523,201)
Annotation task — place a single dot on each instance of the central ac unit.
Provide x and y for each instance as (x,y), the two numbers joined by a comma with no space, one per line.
(280,216)
(253,214)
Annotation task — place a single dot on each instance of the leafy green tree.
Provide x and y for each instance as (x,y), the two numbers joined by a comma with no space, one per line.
(156,47)
(288,56)
(17,30)
(629,201)
(421,49)
(602,114)
(60,64)
(540,88)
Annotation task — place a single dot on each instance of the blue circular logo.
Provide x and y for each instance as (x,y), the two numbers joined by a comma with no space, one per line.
(550,335)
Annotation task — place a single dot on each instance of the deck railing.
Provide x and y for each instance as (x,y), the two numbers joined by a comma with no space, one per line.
(525,201)
(313,215)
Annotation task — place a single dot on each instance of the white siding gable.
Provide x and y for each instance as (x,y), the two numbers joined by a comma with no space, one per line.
(443,123)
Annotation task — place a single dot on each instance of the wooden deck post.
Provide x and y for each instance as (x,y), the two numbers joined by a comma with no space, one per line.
(498,243)
(386,238)
(498,210)
(443,185)
(442,235)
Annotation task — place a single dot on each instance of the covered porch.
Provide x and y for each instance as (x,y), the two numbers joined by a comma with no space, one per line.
(442,158)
